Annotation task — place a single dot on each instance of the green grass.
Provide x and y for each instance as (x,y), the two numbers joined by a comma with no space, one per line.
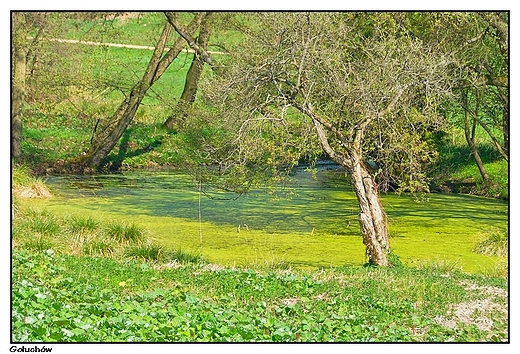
(457,166)
(87,299)
(147,251)
(37,229)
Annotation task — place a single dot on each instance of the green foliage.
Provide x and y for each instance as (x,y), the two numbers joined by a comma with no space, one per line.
(83,225)
(21,175)
(147,251)
(60,118)
(394,260)
(38,229)
(455,169)
(83,299)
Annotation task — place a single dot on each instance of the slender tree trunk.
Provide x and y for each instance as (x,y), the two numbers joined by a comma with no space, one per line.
(18,88)
(470,136)
(192,78)
(104,140)
(505,130)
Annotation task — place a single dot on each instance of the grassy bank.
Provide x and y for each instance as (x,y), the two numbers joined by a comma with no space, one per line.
(97,299)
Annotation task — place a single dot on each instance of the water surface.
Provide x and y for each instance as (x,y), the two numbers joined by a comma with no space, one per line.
(312,222)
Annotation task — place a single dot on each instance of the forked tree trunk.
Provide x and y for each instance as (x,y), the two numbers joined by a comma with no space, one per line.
(372,217)
(104,140)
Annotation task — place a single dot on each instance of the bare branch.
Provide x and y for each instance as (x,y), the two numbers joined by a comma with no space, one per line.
(184,33)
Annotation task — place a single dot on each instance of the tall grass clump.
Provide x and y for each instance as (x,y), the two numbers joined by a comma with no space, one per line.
(83,225)
(185,257)
(25,185)
(148,251)
(123,233)
(98,246)
(21,176)
(495,244)
(441,265)
(40,230)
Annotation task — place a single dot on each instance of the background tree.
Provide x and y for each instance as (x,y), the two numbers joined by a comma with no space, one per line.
(106,137)
(479,42)
(28,30)
(53,84)
(194,72)
(367,89)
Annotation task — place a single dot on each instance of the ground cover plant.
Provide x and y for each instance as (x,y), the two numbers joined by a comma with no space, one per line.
(67,298)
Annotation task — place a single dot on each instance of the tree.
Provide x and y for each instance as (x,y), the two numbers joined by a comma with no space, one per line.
(479,42)
(19,50)
(25,54)
(105,138)
(194,72)
(367,89)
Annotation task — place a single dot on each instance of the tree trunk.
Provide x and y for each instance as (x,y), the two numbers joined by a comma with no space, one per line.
(470,137)
(192,78)
(18,89)
(372,217)
(505,130)
(104,140)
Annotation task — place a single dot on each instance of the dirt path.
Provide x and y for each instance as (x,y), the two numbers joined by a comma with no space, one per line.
(118,45)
